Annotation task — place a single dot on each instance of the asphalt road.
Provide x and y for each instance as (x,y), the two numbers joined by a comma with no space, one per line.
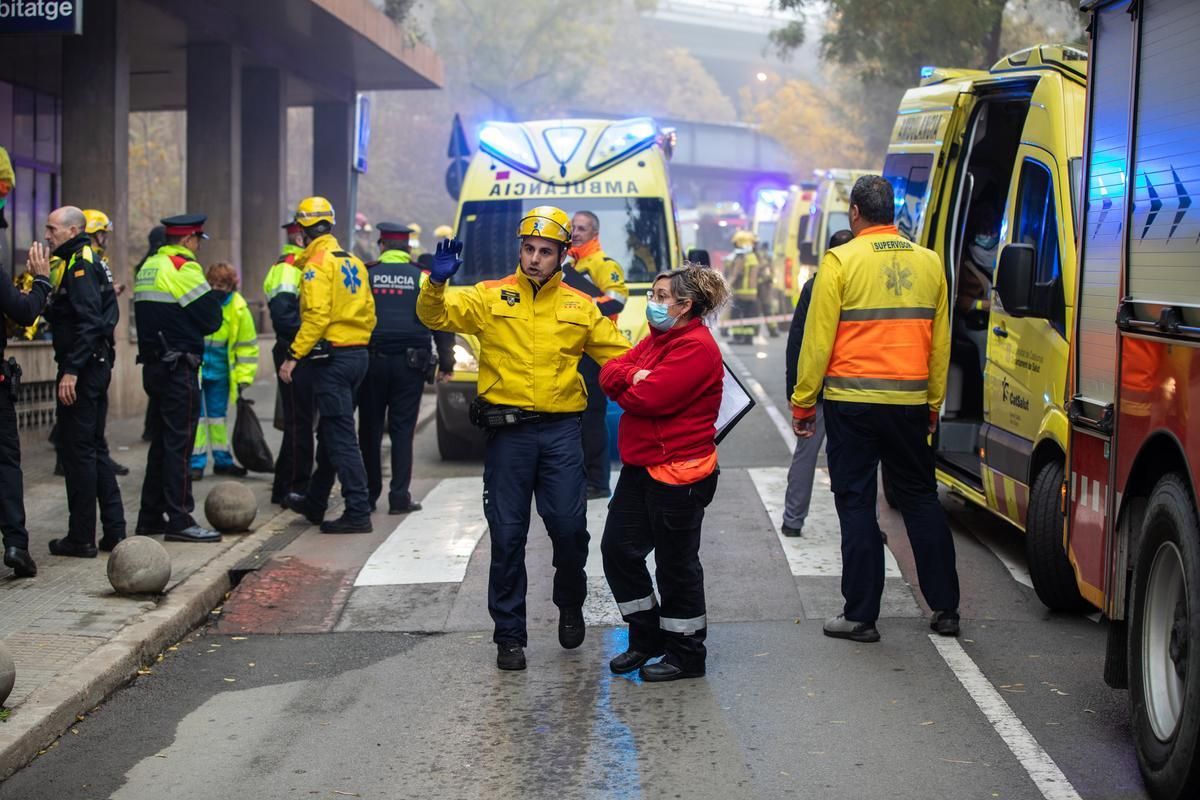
(391,690)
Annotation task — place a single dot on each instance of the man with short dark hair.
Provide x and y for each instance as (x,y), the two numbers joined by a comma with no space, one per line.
(877,339)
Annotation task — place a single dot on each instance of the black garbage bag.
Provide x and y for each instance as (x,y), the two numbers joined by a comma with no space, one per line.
(249,445)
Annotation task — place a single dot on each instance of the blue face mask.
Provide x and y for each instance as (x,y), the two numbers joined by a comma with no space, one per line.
(657,316)
(987,241)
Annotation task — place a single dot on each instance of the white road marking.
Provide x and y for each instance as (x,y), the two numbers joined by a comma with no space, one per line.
(435,544)
(1046,775)
(782,426)
(819,550)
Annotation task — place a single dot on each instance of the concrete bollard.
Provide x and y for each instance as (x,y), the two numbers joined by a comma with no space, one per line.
(8,673)
(139,565)
(230,507)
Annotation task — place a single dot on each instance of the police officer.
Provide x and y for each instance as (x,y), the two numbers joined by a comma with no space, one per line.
(174,308)
(294,465)
(590,262)
(22,308)
(99,228)
(401,361)
(532,330)
(337,315)
(83,312)
(880,403)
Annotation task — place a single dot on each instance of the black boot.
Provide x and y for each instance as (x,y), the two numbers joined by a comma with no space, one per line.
(571,628)
(345,524)
(67,547)
(666,671)
(629,661)
(236,470)
(510,656)
(19,560)
(299,504)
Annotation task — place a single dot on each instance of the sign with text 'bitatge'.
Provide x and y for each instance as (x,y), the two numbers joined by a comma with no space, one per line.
(41,16)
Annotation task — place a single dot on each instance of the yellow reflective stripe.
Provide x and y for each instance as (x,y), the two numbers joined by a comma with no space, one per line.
(247,360)
(876,384)
(283,288)
(195,294)
(864,314)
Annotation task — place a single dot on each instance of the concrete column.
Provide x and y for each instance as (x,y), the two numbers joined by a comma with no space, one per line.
(264,175)
(214,147)
(95,157)
(333,148)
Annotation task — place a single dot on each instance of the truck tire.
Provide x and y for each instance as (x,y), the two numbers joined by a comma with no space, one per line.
(451,446)
(1051,571)
(1164,643)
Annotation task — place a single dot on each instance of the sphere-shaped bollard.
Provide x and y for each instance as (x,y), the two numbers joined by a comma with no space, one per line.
(230,507)
(8,673)
(139,565)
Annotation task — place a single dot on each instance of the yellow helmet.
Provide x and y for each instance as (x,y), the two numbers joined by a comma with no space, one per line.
(744,238)
(547,222)
(313,210)
(415,228)
(443,232)
(96,221)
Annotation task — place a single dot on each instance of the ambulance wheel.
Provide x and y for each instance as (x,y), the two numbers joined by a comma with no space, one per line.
(451,446)
(1051,571)
(1164,643)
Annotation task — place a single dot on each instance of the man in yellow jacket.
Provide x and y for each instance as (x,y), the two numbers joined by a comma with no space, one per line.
(532,330)
(877,338)
(337,316)
(229,366)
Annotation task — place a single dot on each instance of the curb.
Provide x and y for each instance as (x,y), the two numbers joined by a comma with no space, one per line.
(53,708)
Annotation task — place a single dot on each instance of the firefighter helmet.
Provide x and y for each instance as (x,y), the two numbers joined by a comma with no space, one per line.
(97,221)
(547,222)
(313,210)
(744,238)
(443,232)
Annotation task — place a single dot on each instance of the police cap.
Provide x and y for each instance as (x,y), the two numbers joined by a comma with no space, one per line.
(291,226)
(185,225)
(393,232)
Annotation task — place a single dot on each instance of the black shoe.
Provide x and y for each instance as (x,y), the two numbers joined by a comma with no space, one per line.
(108,543)
(146,530)
(571,628)
(344,524)
(299,504)
(945,623)
(19,560)
(118,469)
(841,628)
(664,670)
(629,661)
(234,470)
(510,656)
(66,547)
(790,532)
(197,475)
(193,534)
(408,509)
(597,493)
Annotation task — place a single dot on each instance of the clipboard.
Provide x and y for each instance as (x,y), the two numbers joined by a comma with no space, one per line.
(736,402)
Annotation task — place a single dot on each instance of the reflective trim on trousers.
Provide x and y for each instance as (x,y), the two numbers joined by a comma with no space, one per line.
(685,626)
(642,604)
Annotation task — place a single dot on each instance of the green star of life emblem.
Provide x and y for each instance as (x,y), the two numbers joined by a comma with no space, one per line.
(899,278)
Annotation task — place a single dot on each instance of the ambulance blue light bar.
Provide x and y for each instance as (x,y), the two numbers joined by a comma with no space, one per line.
(508,143)
(621,139)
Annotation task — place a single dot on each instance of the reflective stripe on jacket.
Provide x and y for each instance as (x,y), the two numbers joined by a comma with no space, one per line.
(878,328)
(530,341)
(335,298)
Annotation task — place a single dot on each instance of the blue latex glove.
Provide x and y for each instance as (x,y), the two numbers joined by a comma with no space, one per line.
(446,260)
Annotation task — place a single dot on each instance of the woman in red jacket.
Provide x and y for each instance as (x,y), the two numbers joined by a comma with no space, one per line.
(669,387)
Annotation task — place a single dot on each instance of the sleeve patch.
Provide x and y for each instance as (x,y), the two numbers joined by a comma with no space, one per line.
(78,273)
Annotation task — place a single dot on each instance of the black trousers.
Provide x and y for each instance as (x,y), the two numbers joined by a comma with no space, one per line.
(595,427)
(541,460)
(12,489)
(294,465)
(393,390)
(335,385)
(174,412)
(85,458)
(646,515)
(858,436)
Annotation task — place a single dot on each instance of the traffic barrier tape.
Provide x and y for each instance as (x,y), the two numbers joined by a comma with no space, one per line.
(731,322)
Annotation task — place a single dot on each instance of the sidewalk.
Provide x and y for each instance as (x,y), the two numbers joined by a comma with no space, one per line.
(74,640)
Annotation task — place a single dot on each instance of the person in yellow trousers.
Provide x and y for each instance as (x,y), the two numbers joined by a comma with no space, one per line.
(532,330)
(229,366)
(337,317)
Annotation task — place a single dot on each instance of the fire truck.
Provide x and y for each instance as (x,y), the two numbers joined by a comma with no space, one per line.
(1132,533)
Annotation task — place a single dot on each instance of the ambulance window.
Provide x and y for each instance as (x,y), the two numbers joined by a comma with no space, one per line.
(1037,225)
(909,175)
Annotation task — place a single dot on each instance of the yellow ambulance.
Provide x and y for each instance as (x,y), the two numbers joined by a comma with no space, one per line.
(789,232)
(986,168)
(829,212)
(616,169)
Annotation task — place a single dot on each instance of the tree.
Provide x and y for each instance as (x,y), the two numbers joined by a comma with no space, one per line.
(890,40)
(637,79)
(818,130)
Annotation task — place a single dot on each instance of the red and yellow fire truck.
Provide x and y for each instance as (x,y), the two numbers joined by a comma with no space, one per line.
(1132,534)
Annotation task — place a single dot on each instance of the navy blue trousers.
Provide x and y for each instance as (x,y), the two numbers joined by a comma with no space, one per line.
(542,460)
(392,392)
(859,436)
(335,385)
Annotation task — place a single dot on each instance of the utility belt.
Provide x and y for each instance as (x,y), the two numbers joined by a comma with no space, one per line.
(10,372)
(419,358)
(323,350)
(171,358)
(490,416)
